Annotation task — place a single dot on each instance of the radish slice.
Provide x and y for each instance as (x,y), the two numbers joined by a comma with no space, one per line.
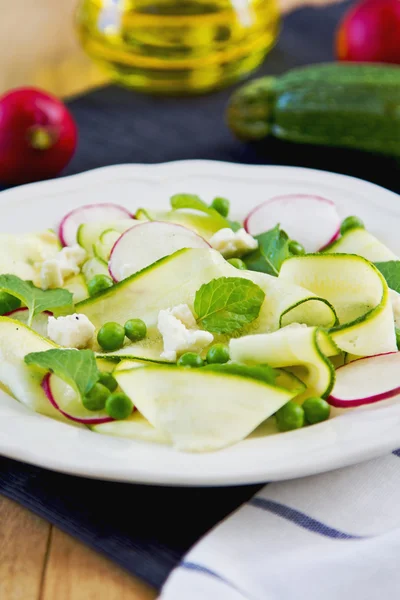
(66,401)
(311,220)
(39,322)
(88,214)
(367,380)
(146,243)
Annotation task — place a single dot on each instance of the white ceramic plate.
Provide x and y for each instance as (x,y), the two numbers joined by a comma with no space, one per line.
(358,435)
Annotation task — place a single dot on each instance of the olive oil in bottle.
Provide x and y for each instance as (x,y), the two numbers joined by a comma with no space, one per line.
(177,46)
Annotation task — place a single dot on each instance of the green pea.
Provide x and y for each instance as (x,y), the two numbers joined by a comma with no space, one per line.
(96,398)
(316,410)
(135,330)
(218,354)
(296,248)
(351,223)
(290,416)
(190,359)
(111,337)
(108,381)
(238,263)
(221,205)
(8,303)
(119,406)
(98,284)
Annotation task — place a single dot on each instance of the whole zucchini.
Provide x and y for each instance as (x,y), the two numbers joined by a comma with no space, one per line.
(337,104)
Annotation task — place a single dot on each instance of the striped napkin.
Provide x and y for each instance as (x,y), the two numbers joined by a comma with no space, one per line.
(334,536)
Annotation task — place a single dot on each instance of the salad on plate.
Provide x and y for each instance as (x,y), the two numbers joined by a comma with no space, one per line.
(188,328)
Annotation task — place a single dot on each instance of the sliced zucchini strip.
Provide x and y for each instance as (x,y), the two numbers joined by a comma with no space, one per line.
(78,288)
(175,280)
(24,382)
(202,224)
(304,348)
(204,410)
(135,427)
(89,233)
(20,254)
(360,241)
(357,291)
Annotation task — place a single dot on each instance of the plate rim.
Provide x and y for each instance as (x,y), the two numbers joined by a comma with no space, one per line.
(162,172)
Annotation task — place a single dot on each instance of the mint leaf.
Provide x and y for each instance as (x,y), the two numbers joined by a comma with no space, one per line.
(391,271)
(226,304)
(273,249)
(261,372)
(34,298)
(78,368)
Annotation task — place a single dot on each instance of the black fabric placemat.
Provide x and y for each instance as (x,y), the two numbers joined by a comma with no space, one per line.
(147,529)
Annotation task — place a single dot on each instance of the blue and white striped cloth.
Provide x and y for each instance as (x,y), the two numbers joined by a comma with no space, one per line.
(334,536)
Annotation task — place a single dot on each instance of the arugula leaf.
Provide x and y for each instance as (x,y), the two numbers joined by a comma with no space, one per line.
(34,298)
(390,269)
(228,303)
(273,249)
(78,368)
(261,372)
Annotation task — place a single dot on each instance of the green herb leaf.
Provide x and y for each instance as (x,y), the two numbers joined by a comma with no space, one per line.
(261,372)
(226,304)
(78,368)
(273,249)
(391,271)
(34,298)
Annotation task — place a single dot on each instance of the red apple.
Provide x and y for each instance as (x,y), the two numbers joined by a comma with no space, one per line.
(37,136)
(370,32)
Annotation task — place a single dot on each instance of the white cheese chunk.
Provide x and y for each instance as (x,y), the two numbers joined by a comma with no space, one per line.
(66,263)
(184,314)
(233,243)
(51,275)
(72,331)
(178,328)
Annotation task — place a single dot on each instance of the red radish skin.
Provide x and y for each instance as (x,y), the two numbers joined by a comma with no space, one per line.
(89,421)
(24,309)
(370,32)
(38,136)
(139,228)
(333,239)
(70,223)
(353,403)
(38,324)
(253,223)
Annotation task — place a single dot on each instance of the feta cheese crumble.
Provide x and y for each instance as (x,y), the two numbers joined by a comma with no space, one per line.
(180,333)
(72,331)
(233,243)
(67,262)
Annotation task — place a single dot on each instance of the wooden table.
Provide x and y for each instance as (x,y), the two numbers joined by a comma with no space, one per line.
(39,562)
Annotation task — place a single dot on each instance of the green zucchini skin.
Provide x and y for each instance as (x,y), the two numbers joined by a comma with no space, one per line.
(344,105)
